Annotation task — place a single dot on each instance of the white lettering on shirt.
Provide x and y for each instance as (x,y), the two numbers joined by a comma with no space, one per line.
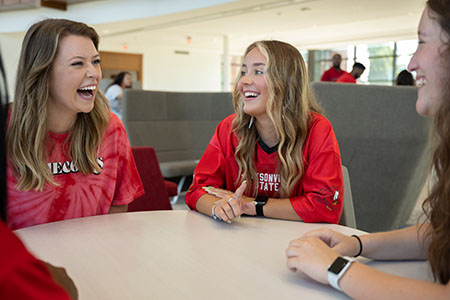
(67,167)
(269,182)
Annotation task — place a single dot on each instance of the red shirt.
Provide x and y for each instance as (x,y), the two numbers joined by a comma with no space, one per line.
(78,195)
(316,197)
(21,275)
(332,74)
(347,78)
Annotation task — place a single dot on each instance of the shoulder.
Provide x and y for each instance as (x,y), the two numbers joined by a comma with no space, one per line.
(321,135)
(223,131)
(114,87)
(115,125)
(319,122)
(226,124)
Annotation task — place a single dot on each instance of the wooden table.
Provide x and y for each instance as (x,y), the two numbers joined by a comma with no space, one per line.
(185,255)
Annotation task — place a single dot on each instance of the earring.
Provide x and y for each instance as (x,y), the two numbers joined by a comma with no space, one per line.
(251,122)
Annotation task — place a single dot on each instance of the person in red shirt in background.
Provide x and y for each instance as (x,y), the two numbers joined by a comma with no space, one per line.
(276,156)
(357,70)
(333,73)
(22,276)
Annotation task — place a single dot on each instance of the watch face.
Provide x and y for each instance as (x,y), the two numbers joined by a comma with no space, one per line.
(338,265)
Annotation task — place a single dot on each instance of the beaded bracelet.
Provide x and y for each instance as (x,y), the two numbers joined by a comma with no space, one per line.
(360,245)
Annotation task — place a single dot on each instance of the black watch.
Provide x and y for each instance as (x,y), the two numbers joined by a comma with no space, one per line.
(260,202)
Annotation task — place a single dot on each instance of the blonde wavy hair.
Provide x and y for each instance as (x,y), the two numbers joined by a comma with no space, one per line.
(27,134)
(290,106)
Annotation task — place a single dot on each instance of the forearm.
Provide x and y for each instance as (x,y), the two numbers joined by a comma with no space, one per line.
(363,282)
(115,209)
(399,244)
(280,209)
(205,204)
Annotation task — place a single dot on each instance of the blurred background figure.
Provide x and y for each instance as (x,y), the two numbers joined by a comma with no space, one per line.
(114,92)
(405,78)
(333,73)
(357,70)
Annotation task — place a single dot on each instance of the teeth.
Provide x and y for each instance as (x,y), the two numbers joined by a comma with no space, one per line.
(250,94)
(421,82)
(88,88)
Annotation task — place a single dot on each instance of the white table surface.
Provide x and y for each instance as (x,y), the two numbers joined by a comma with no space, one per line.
(185,255)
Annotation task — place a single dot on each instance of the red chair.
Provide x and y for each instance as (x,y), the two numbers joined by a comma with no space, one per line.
(156,196)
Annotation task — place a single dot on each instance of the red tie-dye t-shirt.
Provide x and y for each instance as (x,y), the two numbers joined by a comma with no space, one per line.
(78,195)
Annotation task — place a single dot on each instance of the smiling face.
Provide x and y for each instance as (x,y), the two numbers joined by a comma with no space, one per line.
(428,65)
(126,81)
(252,84)
(74,79)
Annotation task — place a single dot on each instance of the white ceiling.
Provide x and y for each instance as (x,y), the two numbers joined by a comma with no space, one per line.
(307,24)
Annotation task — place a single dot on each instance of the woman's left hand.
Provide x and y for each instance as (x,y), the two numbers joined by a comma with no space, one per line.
(311,256)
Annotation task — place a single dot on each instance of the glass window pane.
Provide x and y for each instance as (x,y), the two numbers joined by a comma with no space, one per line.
(407,47)
(322,60)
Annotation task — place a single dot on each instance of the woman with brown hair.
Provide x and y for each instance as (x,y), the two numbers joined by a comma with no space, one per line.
(68,156)
(320,250)
(276,156)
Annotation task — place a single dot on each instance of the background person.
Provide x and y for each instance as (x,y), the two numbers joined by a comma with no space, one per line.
(314,252)
(357,71)
(68,156)
(405,78)
(114,92)
(333,73)
(276,141)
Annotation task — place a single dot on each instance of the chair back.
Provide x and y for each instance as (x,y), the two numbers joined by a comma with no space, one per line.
(156,197)
(348,213)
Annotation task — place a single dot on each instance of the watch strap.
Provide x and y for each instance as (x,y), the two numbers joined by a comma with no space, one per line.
(260,202)
(333,278)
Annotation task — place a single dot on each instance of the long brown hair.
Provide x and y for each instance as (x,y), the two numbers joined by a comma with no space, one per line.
(437,205)
(27,132)
(290,106)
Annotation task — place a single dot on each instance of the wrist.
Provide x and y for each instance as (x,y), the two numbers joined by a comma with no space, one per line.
(358,246)
(337,269)
(260,201)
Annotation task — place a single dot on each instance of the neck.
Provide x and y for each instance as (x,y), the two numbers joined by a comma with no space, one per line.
(56,122)
(266,131)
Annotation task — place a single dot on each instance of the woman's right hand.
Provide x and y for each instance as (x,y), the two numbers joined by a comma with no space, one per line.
(343,244)
(231,205)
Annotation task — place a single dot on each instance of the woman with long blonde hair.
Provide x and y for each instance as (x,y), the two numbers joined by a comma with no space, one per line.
(322,250)
(68,156)
(276,156)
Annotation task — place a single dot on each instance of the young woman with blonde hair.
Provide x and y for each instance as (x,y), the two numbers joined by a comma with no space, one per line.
(276,156)
(68,156)
(321,250)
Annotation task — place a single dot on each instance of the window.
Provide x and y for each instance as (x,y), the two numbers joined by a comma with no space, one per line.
(383,61)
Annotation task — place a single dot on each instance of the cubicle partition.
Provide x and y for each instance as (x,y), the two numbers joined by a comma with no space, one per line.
(383,143)
(178,125)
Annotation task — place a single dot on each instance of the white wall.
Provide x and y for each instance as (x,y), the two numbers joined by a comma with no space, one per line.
(10,51)
(165,70)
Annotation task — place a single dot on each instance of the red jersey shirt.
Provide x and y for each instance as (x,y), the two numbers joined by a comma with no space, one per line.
(316,197)
(332,74)
(21,275)
(347,78)
(78,195)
